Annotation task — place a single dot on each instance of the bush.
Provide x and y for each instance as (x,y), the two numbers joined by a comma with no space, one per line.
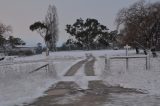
(21,53)
(27,53)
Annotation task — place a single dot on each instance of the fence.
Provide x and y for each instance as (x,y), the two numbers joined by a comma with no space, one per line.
(41,64)
(108,59)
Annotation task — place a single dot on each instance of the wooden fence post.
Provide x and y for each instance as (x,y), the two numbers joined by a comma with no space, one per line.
(127,67)
(51,69)
(148,62)
(107,63)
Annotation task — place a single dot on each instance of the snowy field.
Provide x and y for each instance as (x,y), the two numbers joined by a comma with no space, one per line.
(19,86)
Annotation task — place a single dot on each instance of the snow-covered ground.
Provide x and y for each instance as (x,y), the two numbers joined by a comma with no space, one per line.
(18,86)
(136,76)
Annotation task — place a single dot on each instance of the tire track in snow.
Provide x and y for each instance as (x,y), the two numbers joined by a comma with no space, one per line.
(89,67)
(72,71)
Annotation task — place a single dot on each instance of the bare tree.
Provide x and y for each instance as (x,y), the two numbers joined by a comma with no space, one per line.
(51,21)
(4,32)
(4,29)
(136,23)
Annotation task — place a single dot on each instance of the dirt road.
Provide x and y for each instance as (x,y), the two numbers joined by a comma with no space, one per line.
(68,93)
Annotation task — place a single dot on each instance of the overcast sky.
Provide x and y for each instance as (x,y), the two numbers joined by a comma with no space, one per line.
(20,14)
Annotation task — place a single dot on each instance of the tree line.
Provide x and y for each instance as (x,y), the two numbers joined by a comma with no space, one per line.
(137,25)
(6,40)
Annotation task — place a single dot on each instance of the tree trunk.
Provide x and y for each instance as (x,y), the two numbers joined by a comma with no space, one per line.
(137,50)
(47,51)
(47,48)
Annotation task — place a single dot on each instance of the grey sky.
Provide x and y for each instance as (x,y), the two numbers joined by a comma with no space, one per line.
(20,14)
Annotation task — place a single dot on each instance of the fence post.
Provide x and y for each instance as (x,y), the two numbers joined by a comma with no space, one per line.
(127,64)
(51,68)
(107,63)
(149,56)
(148,62)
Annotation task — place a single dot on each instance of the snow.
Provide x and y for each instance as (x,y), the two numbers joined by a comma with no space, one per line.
(80,78)
(136,76)
(17,86)
(75,54)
